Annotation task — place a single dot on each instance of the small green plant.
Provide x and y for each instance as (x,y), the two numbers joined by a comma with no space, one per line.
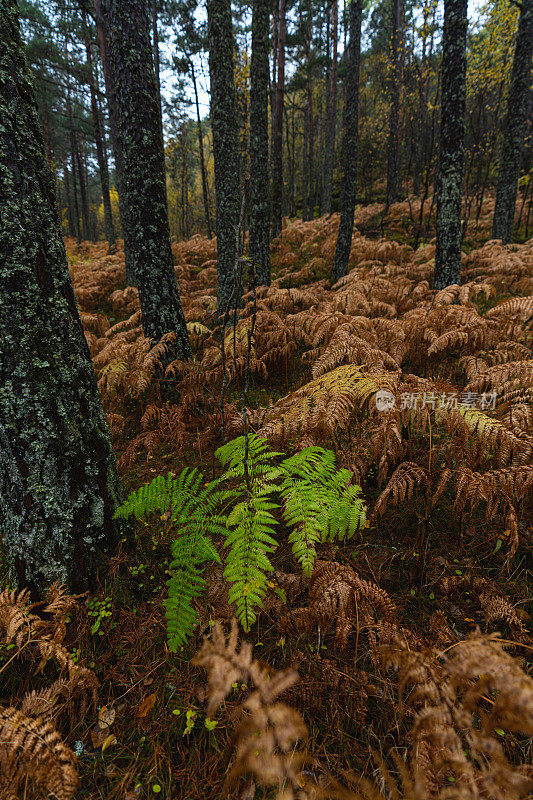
(241,509)
(99,610)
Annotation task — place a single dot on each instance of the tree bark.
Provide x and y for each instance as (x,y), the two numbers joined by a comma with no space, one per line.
(131,279)
(202,157)
(277,133)
(331,115)
(70,215)
(225,144)
(58,481)
(450,171)
(394,116)
(514,126)
(155,45)
(143,179)
(83,187)
(72,144)
(102,162)
(350,143)
(259,195)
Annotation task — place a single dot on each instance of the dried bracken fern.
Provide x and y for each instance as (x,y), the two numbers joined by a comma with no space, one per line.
(32,749)
(339,597)
(269,737)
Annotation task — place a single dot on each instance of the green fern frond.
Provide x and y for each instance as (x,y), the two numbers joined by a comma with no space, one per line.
(191,507)
(319,503)
(250,538)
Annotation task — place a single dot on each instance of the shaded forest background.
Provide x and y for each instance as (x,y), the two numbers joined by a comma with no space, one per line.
(399,101)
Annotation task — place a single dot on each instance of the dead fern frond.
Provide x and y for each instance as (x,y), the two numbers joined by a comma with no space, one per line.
(32,749)
(401,486)
(339,597)
(268,739)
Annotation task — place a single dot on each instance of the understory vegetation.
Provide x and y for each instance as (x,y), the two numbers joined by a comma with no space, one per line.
(325,587)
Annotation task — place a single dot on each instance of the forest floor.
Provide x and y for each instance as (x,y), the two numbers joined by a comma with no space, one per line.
(446,470)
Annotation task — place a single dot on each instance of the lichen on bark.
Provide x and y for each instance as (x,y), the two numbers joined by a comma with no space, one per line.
(58,481)
(514,126)
(449,184)
(350,144)
(143,179)
(224,128)
(259,194)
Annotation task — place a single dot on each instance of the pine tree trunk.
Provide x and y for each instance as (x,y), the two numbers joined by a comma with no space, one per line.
(225,144)
(514,127)
(70,215)
(155,46)
(205,193)
(58,481)
(259,194)
(331,116)
(277,133)
(394,116)
(305,167)
(350,143)
(83,187)
(73,164)
(450,171)
(143,179)
(131,279)
(101,160)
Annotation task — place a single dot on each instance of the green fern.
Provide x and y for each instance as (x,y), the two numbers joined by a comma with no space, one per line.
(250,535)
(318,503)
(191,507)
(242,508)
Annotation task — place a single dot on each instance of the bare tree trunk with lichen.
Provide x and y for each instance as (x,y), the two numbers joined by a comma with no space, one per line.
(449,184)
(277,131)
(58,481)
(260,218)
(143,180)
(225,143)
(113,128)
(393,146)
(331,115)
(350,143)
(513,130)
(100,156)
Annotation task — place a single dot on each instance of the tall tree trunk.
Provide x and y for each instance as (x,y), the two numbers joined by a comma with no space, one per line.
(305,166)
(451,147)
(225,143)
(100,157)
(58,482)
(155,46)
(307,152)
(115,142)
(331,115)
(143,179)
(70,214)
(514,126)
(319,160)
(47,136)
(259,196)
(350,143)
(184,182)
(205,193)
(310,119)
(277,133)
(83,187)
(72,143)
(393,148)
